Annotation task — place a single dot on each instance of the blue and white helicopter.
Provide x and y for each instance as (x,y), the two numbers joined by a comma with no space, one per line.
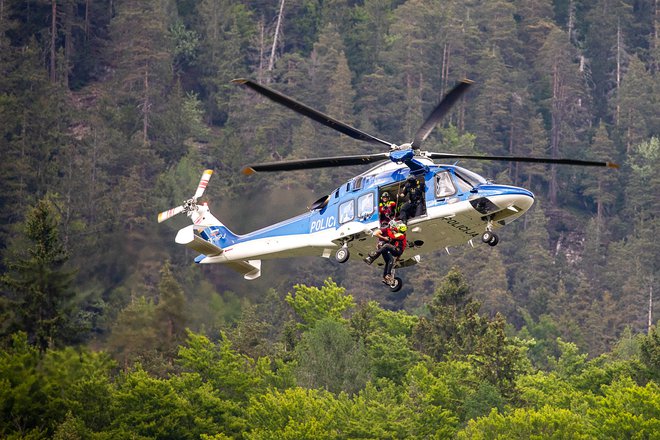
(459,205)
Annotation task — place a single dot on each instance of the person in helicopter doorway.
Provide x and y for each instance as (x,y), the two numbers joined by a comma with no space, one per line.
(414,206)
(386,209)
(391,244)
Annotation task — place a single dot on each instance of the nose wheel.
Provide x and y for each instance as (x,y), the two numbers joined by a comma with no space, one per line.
(490,238)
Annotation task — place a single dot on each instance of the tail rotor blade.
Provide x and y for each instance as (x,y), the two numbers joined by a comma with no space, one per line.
(202,184)
(169,213)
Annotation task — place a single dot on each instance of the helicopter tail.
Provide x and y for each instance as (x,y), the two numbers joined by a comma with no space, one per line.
(207,235)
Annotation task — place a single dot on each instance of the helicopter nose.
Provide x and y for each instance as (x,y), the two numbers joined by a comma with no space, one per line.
(518,200)
(509,200)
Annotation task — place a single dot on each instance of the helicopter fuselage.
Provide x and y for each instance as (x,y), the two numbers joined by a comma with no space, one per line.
(459,206)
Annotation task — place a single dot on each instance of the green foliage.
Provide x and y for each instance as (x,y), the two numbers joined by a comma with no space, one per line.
(133,338)
(454,329)
(386,335)
(237,376)
(313,304)
(295,413)
(546,423)
(650,351)
(39,287)
(37,390)
(328,358)
(147,407)
(627,410)
(169,312)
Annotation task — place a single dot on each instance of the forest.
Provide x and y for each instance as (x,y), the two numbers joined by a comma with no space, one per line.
(111,109)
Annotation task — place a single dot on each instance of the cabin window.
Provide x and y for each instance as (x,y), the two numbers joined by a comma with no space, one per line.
(444,187)
(366,205)
(347,211)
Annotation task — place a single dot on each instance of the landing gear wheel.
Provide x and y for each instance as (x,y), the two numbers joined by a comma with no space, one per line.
(396,284)
(342,255)
(493,241)
(487,236)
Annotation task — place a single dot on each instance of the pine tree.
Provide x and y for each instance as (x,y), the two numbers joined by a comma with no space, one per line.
(635,111)
(602,186)
(133,337)
(566,100)
(37,284)
(531,268)
(607,23)
(367,38)
(170,312)
(144,58)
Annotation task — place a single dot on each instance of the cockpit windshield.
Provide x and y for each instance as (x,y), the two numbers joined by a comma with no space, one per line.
(473,179)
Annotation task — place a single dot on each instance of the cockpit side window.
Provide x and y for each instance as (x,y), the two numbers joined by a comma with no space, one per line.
(463,185)
(444,187)
(472,179)
(467,180)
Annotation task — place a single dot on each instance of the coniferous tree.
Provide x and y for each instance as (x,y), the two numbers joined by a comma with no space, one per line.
(143,58)
(565,100)
(536,145)
(368,36)
(133,338)
(536,20)
(602,186)
(170,312)
(531,272)
(607,23)
(38,285)
(634,108)
(225,28)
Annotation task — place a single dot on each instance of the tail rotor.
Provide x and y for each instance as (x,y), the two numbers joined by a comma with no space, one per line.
(189,206)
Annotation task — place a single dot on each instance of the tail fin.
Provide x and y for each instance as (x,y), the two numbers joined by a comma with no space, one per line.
(220,235)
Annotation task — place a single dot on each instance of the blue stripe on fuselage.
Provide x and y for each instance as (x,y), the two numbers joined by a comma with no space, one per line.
(221,236)
(494,190)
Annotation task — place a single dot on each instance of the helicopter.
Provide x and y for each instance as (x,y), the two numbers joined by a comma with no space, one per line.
(458,207)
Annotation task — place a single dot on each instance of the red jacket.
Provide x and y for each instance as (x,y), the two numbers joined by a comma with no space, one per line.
(387,209)
(396,238)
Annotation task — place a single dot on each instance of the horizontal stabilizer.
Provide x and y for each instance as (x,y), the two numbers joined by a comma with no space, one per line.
(250,269)
(187,237)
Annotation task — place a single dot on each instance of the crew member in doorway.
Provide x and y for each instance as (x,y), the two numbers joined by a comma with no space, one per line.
(414,205)
(391,244)
(386,209)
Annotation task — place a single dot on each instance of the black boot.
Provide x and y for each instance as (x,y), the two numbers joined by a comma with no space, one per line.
(369,259)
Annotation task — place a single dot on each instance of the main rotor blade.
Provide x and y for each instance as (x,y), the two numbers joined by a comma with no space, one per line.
(321,162)
(202,184)
(439,112)
(316,115)
(169,213)
(550,160)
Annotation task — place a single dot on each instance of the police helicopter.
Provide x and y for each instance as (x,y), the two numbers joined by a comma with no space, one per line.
(457,207)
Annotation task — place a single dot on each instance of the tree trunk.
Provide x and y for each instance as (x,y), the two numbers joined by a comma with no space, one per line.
(656,36)
(87,4)
(145,106)
(271,63)
(53,33)
(618,72)
(262,44)
(558,109)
